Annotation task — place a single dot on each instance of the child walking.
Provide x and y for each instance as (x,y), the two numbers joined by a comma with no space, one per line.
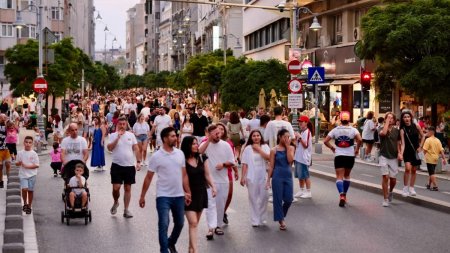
(432,149)
(56,163)
(12,131)
(28,161)
(302,158)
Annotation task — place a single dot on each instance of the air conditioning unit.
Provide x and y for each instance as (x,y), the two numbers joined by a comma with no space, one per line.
(338,38)
(356,34)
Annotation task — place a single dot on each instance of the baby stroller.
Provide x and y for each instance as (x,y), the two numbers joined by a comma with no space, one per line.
(78,212)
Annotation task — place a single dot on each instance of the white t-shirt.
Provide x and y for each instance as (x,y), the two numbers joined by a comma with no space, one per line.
(303,155)
(126,108)
(133,107)
(123,153)
(73,148)
(245,122)
(344,135)
(145,111)
(161,122)
(272,129)
(141,128)
(73,182)
(257,165)
(32,106)
(368,133)
(219,153)
(254,124)
(27,158)
(168,167)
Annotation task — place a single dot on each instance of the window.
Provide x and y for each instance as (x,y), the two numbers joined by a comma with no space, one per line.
(358,16)
(337,29)
(28,31)
(6,30)
(2,60)
(58,35)
(6,4)
(56,13)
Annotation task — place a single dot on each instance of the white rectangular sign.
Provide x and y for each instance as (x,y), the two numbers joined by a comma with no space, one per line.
(295,100)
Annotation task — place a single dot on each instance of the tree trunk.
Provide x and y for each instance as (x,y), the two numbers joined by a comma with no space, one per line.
(53,100)
(434,116)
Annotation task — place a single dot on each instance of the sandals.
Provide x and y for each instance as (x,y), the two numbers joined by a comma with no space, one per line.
(218,231)
(434,189)
(210,235)
(283,227)
(28,210)
(25,207)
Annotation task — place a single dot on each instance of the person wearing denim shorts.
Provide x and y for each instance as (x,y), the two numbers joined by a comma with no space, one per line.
(28,161)
(302,158)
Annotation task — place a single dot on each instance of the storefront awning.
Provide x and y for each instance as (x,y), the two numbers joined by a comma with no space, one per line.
(344,82)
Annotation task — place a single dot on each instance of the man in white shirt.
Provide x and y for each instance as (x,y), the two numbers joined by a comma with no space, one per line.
(146,110)
(220,157)
(127,107)
(124,148)
(161,121)
(274,126)
(74,147)
(172,188)
(32,108)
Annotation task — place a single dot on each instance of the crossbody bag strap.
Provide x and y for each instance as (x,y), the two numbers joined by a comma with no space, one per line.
(407,136)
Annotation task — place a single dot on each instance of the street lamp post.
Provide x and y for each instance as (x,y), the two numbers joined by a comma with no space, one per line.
(105,30)
(315,26)
(19,24)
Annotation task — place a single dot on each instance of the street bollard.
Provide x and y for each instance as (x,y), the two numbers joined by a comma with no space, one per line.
(13,222)
(13,192)
(13,248)
(14,199)
(318,148)
(13,236)
(14,209)
(439,166)
(362,152)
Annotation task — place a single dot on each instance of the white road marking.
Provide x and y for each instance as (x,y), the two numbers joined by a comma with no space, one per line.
(367,175)
(446,193)
(421,187)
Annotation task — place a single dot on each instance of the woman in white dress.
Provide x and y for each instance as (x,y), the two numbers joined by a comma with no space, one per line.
(254,175)
(186,128)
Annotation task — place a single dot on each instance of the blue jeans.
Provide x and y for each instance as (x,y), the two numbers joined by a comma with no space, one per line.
(163,206)
(283,194)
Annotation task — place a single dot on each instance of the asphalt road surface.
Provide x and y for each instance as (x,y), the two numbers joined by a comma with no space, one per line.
(316,225)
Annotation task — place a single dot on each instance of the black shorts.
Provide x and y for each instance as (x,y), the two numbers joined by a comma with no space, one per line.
(12,148)
(368,141)
(431,168)
(345,162)
(123,175)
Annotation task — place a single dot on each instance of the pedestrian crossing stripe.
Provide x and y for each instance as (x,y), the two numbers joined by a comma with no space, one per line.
(316,77)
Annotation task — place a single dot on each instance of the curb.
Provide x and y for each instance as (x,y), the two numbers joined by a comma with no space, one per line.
(13,236)
(422,201)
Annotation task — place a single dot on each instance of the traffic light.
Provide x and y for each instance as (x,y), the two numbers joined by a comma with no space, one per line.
(366,77)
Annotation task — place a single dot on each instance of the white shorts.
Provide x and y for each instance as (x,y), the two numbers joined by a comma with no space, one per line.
(388,166)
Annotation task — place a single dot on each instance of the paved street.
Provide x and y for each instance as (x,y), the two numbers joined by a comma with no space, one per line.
(316,225)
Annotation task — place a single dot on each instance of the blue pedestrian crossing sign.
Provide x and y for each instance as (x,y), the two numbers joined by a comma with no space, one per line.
(316,75)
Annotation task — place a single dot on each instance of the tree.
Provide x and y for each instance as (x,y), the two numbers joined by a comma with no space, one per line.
(243,80)
(409,41)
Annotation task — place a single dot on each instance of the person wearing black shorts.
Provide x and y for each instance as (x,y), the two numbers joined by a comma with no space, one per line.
(345,152)
(124,148)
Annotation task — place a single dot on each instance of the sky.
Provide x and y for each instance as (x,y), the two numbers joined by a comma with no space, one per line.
(113,13)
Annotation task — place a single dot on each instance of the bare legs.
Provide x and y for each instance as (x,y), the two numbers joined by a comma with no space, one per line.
(193,219)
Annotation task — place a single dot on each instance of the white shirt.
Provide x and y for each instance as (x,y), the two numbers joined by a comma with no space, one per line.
(133,107)
(126,108)
(257,165)
(32,106)
(73,148)
(161,122)
(303,155)
(73,182)
(368,133)
(245,122)
(141,128)
(272,129)
(168,166)
(123,154)
(344,133)
(27,158)
(219,153)
(254,124)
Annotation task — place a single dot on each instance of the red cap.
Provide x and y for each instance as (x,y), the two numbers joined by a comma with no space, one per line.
(303,118)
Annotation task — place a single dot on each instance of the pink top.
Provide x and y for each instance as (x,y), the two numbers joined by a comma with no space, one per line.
(11,135)
(56,157)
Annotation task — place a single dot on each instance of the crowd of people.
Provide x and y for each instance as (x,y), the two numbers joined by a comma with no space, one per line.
(197,155)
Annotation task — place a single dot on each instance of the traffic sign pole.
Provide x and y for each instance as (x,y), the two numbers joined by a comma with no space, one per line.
(316,75)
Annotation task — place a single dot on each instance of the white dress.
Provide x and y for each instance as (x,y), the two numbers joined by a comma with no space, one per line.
(186,130)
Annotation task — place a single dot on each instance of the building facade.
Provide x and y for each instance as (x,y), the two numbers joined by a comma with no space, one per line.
(135,38)
(63,17)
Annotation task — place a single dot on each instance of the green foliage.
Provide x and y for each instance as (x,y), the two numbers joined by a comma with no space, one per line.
(177,80)
(409,40)
(133,81)
(243,81)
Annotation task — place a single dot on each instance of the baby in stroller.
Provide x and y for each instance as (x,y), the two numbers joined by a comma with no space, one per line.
(76,193)
(77,184)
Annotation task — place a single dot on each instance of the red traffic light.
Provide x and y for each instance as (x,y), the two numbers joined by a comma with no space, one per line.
(366,76)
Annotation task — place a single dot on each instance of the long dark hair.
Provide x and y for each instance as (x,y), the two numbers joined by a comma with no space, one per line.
(281,133)
(186,146)
(403,125)
(225,131)
(250,141)
(234,118)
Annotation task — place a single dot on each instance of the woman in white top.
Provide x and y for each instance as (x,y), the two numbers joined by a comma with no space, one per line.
(368,134)
(254,176)
(141,130)
(186,127)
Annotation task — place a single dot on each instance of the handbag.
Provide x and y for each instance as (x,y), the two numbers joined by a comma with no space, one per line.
(419,155)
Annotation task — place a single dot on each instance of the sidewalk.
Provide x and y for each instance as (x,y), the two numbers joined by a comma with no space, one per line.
(367,176)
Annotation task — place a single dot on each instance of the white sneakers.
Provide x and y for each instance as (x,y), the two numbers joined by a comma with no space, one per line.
(385,203)
(298,194)
(412,192)
(408,191)
(303,194)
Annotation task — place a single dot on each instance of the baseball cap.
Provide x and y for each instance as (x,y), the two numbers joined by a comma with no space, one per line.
(345,115)
(303,118)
